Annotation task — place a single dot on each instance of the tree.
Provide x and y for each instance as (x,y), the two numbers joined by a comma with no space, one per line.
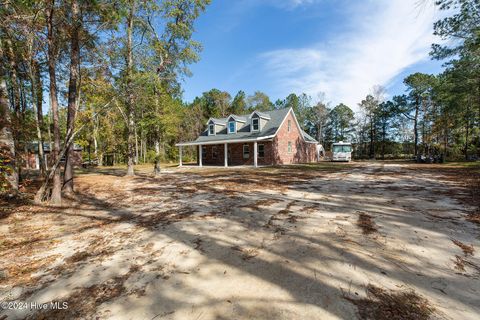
(386,111)
(52,45)
(259,101)
(370,106)
(419,86)
(151,52)
(462,27)
(300,104)
(462,32)
(75,25)
(317,119)
(341,118)
(8,169)
(239,103)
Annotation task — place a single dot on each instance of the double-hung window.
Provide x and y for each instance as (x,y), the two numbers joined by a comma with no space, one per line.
(211,129)
(261,150)
(204,152)
(246,151)
(289,126)
(255,124)
(289,149)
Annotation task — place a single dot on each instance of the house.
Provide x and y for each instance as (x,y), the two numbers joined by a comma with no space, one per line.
(31,157)
(260,138)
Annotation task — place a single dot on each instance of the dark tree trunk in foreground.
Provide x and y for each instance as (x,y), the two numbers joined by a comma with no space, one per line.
(37,103)
(16,103)
(130,102)
(7,144)
(72,96)
(56,197)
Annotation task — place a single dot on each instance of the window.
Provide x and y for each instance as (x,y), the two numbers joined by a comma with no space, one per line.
(246,151)
(261,150)
(289,126)
(211,129)
(338,148)
(255,124)
(289,149)
(231,127)
(214,152)
(204,152)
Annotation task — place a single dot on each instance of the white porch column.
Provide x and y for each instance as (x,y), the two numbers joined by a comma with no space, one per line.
(225,155)
(200,155)
(255,154)
(180,156)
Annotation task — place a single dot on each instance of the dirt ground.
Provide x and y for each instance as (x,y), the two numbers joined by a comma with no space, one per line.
(362,240)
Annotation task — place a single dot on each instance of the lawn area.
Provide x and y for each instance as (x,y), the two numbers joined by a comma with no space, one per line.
(320,241)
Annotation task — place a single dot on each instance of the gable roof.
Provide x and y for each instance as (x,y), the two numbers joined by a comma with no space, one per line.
(237,118)
(217,121)
(308,137)
(260,114)
(244,134)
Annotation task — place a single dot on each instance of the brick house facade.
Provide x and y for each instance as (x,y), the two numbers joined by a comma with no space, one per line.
(276,135)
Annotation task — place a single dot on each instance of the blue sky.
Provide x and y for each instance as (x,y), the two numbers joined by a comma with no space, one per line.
(339,47)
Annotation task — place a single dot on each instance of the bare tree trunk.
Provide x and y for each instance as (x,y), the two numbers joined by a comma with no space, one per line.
(145,151)
(478,120)
(49,131)
(56,197)
(95,146)
(445,139)
(384,134)
(7,143)
(372,139)
(415,127)
(130,102)
(140,152)
(15,120)
(37,102)
(72,95)
(136,145)
(467,127)
(156,167)
(14,81)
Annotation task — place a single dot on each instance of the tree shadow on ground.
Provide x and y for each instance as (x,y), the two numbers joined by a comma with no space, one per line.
(239,205)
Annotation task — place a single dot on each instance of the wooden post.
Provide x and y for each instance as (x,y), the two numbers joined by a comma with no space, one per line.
(225,155)
(255,154)
(180,156)
(200,155)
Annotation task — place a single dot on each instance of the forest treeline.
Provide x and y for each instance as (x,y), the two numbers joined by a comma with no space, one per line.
(107,75)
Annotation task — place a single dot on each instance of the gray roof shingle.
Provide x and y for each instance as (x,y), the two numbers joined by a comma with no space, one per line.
(243,133)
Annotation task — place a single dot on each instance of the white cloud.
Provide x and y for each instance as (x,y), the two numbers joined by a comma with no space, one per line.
(385,38)
(283,4)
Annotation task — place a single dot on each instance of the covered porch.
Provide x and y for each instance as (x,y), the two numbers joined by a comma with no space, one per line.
(231,153)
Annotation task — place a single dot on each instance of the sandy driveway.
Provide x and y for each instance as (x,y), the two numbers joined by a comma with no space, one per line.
(272,243)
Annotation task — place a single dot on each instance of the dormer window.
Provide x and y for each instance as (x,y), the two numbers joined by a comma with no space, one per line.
(211,129)
(255,124)
(231,127)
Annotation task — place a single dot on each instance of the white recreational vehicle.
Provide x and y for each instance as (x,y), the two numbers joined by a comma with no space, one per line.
(341,151)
